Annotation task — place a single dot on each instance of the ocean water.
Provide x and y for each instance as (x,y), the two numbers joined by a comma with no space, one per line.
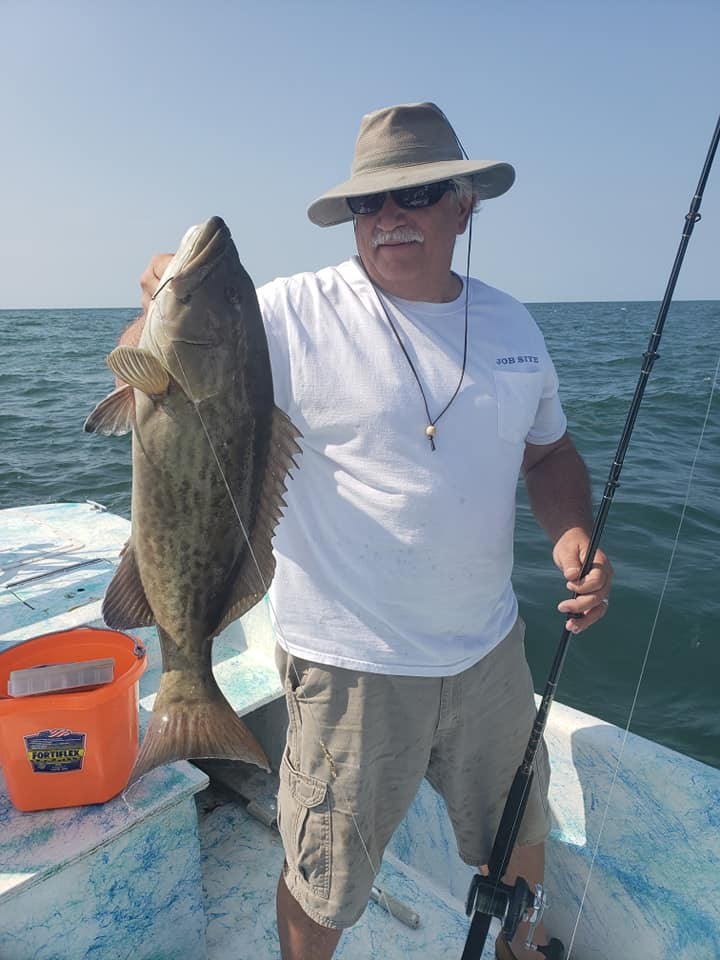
(52,373)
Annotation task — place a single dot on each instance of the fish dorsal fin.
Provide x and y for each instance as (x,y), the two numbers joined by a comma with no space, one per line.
(140,368)
(258,564)
(125,604)
(115,415)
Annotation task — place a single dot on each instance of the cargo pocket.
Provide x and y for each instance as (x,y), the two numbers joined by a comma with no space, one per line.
(305,826)
(518,396)
(293,673)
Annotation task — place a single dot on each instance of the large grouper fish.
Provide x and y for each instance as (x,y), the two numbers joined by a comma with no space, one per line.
(210,454)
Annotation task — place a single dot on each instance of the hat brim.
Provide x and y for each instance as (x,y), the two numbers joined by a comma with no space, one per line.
(490,179)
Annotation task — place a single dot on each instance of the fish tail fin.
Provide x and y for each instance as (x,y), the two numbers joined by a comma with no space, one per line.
(208,728)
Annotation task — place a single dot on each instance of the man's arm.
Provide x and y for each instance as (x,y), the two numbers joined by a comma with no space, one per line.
(130,337)
(559,492)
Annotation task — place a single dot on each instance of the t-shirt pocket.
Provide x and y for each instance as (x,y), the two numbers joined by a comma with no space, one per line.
(518,396)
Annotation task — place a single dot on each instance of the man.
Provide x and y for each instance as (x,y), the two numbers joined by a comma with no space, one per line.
(420,396)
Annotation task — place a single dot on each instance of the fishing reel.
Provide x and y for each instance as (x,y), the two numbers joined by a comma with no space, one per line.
(512,905)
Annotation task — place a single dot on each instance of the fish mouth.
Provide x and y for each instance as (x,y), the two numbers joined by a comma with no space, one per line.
(207,250)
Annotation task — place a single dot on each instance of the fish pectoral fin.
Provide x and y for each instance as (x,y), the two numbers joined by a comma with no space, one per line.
(140,369)
(113,416)
(258,566)
(125,604)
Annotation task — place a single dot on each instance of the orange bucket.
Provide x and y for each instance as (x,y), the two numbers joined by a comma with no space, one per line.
(66,749)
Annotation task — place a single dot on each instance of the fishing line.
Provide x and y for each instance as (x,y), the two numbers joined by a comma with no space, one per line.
(641,676)
(481,906)
(375,869)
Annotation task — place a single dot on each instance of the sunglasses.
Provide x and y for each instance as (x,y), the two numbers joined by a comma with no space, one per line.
(409,198)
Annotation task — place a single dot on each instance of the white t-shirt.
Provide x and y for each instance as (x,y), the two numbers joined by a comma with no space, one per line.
(391,557)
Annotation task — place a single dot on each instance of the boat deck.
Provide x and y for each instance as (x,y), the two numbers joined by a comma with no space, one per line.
(178,868)
(241,860)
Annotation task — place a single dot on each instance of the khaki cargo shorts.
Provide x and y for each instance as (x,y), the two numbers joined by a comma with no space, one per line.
(358,747)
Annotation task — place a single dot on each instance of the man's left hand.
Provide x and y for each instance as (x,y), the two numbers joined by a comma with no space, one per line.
(593,590)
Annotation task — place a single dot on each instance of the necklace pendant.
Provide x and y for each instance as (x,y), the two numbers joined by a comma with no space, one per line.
(430,430)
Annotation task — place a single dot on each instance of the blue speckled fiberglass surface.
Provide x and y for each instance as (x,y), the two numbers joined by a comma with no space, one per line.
(140,877)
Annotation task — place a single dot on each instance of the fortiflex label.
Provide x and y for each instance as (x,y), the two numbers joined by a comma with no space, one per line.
(55,751)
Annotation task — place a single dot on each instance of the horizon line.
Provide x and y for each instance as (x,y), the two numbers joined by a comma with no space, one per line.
(603,300)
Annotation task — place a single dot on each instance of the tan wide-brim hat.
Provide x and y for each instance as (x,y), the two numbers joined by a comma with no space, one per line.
(406,146)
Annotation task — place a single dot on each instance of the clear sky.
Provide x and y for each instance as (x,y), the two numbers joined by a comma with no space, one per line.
(122,123)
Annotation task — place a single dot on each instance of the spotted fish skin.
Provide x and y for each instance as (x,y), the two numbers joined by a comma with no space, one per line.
(210,455)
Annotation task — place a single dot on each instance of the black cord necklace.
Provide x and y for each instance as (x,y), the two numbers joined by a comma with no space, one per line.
(430,429)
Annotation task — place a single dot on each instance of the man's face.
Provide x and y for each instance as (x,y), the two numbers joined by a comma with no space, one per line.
(408,252)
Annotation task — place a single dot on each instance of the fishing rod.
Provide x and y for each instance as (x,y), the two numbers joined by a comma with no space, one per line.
(488,896)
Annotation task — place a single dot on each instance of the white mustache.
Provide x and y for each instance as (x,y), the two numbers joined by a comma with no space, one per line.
(398,235)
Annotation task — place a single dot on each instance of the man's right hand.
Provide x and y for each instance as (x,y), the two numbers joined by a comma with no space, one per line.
(150,280)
